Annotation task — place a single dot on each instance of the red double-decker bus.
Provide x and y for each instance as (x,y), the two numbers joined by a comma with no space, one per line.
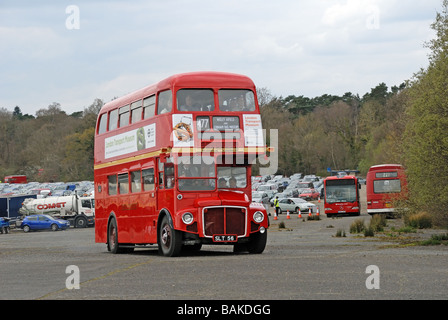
(341,196)
(385,184)
(173,166)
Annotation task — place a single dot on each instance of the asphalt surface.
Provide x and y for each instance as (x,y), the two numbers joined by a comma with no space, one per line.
(304,261)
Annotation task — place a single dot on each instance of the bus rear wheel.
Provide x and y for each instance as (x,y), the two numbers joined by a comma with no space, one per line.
(170,240)
(112,237)
(112,240)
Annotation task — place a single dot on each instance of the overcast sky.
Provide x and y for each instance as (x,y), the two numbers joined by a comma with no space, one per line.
(291,47)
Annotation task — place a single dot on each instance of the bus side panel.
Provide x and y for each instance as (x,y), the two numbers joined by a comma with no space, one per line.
(375,201)
(100,229)
(100,215)
(143,228)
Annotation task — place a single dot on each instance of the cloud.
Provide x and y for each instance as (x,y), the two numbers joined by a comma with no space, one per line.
(31,43)
(290,47)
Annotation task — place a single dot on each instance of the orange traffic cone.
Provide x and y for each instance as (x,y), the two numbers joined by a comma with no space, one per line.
(309,213)
(275,216)
(287,214)
(317,213)
(300,215)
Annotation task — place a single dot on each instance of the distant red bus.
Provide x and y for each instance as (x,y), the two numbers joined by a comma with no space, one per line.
(385,184)
(173,166)
(341,196)
(16,179)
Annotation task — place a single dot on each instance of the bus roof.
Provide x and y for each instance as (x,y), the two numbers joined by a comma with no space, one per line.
(201,79)
(386,167)
(340,178)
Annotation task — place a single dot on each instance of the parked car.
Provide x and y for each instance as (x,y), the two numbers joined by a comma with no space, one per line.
(42,222)
(260,197)
(4,225)
(41,193)
(296,204)
(280,195)
(309,194)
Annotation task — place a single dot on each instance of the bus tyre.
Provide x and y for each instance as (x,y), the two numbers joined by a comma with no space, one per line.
(112,237)
(170,240)
(258,242)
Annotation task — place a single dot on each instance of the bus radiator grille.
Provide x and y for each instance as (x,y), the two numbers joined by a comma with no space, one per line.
(224,220)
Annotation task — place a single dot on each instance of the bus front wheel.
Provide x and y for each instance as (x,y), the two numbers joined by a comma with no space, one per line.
(258,242)
(170,240)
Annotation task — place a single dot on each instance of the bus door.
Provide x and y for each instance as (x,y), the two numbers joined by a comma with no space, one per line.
(143,201)
(165,188)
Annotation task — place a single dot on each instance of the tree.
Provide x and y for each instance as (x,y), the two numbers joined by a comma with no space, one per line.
(426,138)
(78,160)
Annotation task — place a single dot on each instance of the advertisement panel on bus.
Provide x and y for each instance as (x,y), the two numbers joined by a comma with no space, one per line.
(385,184)
(341,196)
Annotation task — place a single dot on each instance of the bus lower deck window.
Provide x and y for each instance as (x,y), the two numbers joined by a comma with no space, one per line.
(112,184)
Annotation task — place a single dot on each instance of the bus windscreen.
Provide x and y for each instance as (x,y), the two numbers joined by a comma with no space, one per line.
(341,191)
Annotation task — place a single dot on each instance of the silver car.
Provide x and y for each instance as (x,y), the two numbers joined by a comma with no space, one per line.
(296,204)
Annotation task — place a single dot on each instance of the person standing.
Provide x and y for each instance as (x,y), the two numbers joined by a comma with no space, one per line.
(277,206)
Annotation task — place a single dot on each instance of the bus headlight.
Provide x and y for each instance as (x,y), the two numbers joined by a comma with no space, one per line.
(187,218)
(258,216)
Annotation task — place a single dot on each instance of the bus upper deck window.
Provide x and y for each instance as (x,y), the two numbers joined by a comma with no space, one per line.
(236,100)
(113,119)
(136,111)
(165,102)
(103,124)
(124,116)
(195,100)
(149,105)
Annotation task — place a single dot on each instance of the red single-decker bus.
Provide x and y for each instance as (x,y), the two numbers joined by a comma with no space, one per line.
(341,196)
(16,179)
(385,184)
(173,166)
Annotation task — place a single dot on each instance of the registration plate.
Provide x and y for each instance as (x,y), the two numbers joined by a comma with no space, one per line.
(225,238)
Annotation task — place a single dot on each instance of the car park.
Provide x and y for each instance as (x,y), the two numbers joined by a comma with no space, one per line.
(296,204)
(42,190)
(43,222)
